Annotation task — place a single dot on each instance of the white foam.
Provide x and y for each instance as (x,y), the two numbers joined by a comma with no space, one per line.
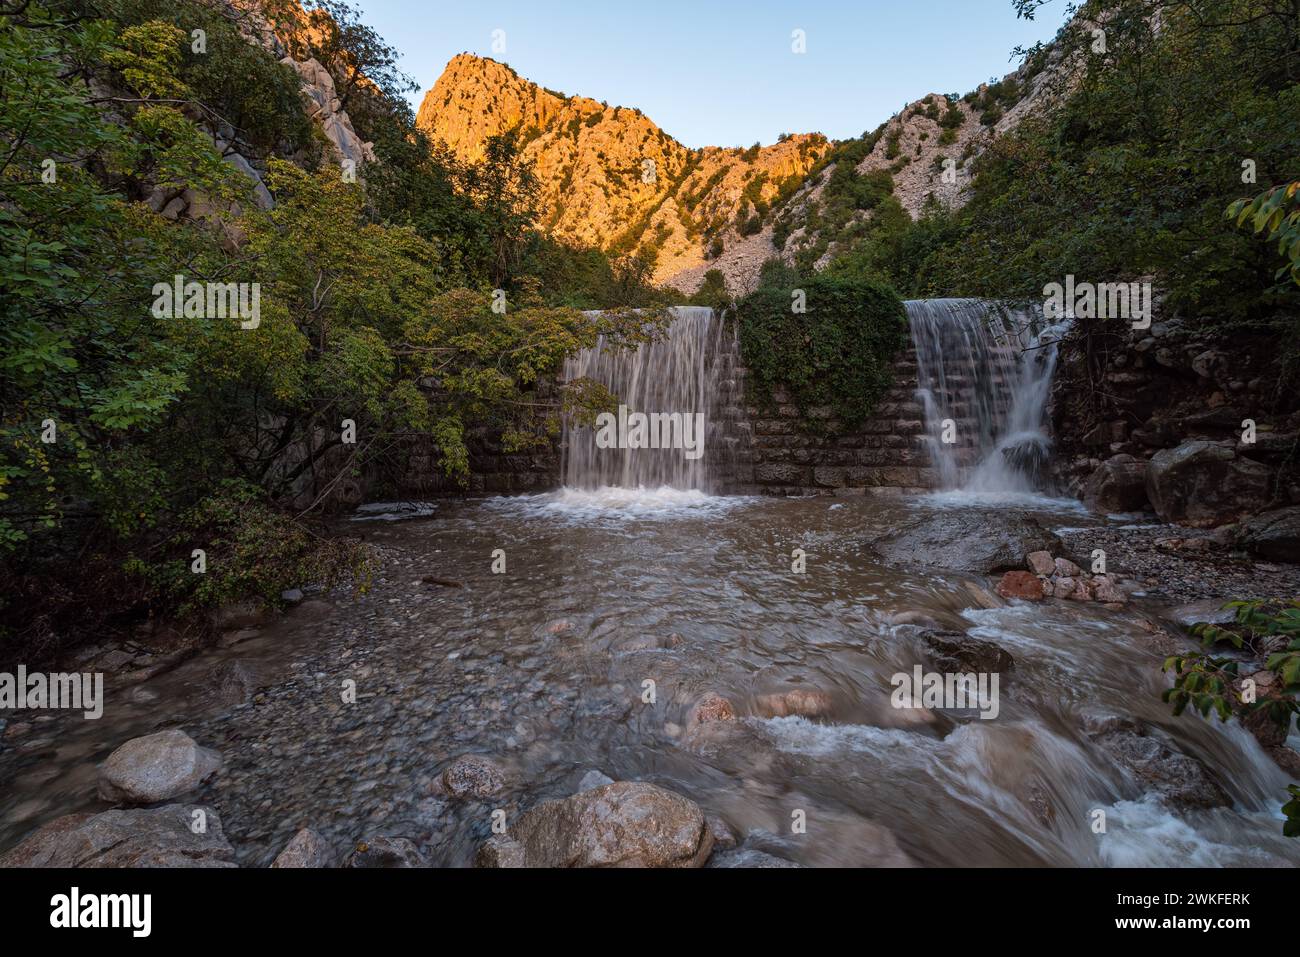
(796,735)
(612,502)
(965,498)
(1145,833)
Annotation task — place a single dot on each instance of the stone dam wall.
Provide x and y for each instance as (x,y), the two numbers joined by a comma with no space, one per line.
(780,455)
(762,452)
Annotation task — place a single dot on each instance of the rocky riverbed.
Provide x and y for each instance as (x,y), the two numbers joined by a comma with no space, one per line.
(653,682)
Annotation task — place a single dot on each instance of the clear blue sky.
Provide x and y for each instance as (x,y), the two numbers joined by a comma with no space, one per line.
(721,72)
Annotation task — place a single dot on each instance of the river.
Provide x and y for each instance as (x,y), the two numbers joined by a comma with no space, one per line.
(544,668)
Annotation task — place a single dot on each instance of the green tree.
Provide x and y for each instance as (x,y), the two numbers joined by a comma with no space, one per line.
(712,291)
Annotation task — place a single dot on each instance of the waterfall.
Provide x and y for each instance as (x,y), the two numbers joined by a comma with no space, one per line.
(984,371)
(692,370)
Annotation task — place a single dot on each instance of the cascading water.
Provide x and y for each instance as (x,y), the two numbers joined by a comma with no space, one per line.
(984,371)
(691,370)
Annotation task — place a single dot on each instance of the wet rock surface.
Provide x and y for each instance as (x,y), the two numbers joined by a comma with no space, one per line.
(804,702)
(745,857)
(307,849)
(1020,585)
(983,542)
(169,836)
(1183,781)
(953,652)
(624,824)
(385,852)
(472,776)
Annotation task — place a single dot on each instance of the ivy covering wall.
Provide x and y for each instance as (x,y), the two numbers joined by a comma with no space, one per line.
(837,353)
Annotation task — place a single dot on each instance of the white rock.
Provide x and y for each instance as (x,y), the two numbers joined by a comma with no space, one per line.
(156,767)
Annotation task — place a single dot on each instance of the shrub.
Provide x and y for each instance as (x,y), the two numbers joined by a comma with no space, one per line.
(713,291)
(251,549)
(891,143)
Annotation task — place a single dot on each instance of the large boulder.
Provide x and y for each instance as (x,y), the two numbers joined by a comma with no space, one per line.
(177,835)
(1118,485)
(983,542)
(156,767)
(1205,484)
(1181,780)
(1274,535)
(624,824)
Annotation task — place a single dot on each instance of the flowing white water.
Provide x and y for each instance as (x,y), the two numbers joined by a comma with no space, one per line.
(984,373)
(691,371)
(615,504)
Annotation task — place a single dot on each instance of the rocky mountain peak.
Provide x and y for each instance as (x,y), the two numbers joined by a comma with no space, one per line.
(610,177)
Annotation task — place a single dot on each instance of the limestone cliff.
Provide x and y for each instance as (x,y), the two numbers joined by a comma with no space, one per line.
(612,178)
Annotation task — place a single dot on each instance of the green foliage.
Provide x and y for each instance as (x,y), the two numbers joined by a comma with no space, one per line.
(149,56)
(847,207)
(375,306)
(79,347)
(1275,213)
(1205,681)
(837,354)
(1130,176)
(251,549)
(775,273)
(894,249)
(504,188)
(1255,620)
(891,142)
(1202,681)
(712,291)
(994,99)
(362,63)
(233,83)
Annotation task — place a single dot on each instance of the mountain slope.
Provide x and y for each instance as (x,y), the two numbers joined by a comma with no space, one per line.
(609,176)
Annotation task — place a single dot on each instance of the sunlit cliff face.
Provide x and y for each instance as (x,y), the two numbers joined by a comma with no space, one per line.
(609,176)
